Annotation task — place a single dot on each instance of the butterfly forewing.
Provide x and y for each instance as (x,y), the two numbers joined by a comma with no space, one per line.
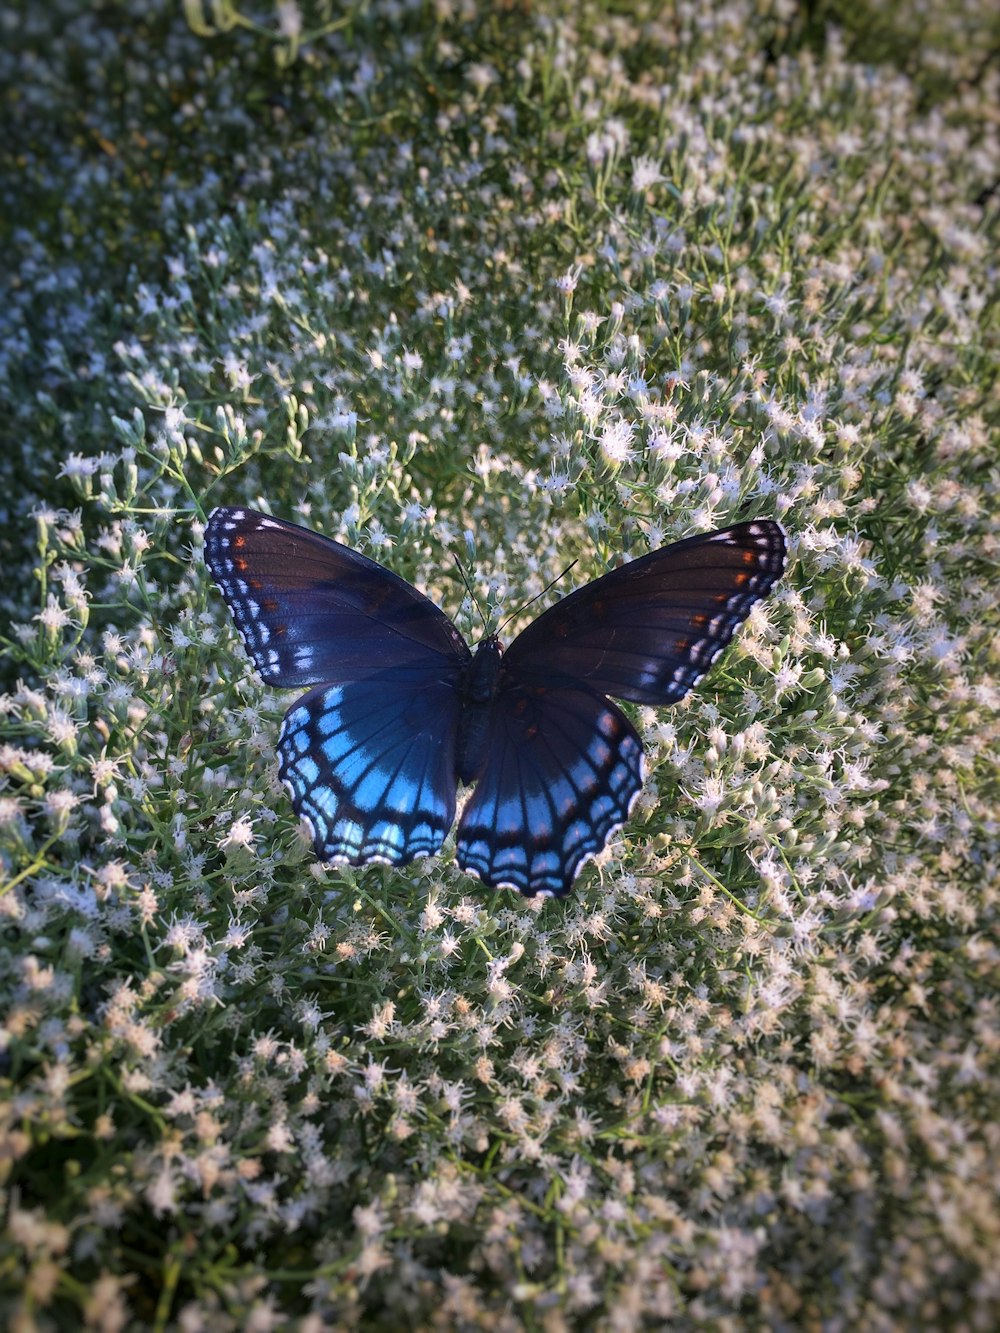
(311,611)
(564,768)
(648,631)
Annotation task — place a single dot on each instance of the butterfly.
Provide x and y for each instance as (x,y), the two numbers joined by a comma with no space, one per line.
(399,710)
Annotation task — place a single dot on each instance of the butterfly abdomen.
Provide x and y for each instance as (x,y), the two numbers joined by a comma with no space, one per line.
(479,688)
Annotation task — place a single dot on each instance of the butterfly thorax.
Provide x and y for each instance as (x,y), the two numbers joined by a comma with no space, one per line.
(478,690)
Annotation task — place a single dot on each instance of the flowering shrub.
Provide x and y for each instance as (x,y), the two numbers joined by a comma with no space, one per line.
(497,288)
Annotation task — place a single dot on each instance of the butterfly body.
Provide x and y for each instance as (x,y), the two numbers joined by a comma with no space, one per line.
(400,710)
(480,684)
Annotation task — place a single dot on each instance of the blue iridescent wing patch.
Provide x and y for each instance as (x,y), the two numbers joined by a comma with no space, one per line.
(370,766)
(563,771)
(399,706)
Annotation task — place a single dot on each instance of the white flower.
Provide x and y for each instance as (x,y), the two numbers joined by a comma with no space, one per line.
(240,834)
(645,172)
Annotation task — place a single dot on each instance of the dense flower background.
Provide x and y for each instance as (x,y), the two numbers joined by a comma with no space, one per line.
(513,284)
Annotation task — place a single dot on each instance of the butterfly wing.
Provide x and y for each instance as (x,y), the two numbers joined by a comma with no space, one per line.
(368,754)
(370,767)
(649,631)
(311,611)
(564,763)
(564,768)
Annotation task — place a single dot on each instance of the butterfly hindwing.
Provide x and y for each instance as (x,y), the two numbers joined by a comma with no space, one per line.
(648,631)
(564,769)
(370,766)
(311,611)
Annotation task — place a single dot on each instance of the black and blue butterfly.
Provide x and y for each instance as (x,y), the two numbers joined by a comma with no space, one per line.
(400,710)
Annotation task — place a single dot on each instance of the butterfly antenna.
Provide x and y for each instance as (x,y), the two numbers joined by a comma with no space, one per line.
(558,578)
(470,590)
